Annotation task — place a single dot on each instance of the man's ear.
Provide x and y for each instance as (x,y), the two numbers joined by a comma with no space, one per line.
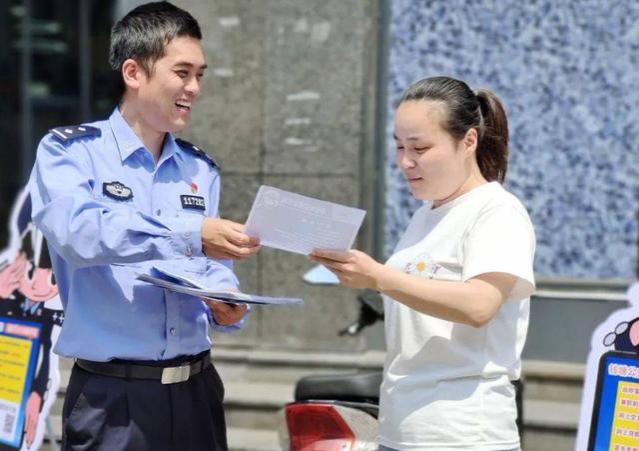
(132,73)
(470,140)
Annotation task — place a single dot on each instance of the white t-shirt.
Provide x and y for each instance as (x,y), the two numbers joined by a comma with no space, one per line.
(447,385)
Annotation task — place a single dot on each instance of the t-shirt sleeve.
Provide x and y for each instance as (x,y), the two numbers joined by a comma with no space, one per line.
(502,240)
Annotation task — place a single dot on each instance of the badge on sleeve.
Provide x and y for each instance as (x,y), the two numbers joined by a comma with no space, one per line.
(193,202)
(117,191)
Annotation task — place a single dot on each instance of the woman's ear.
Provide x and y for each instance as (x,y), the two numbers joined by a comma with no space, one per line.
(131,73)
(471,140)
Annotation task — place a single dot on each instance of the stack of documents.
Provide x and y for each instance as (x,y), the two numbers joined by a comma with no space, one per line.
(171,280)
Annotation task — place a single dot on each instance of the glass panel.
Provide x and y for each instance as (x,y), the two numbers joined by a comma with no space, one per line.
(53,71)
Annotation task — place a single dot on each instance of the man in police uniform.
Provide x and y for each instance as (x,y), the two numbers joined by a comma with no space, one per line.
(113,198)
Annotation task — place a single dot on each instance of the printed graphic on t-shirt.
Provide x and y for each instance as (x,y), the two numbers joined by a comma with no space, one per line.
(426,266)
(422,266)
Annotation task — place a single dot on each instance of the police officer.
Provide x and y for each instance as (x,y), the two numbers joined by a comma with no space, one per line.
(114,197)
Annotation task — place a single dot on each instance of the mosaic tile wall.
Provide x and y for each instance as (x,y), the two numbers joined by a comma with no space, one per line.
(568,75)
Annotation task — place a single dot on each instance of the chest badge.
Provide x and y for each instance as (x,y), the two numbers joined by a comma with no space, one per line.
(193,202)
(117,191)
(194,187)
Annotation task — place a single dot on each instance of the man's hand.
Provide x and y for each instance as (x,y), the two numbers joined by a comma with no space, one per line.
(226,239)
(226,314)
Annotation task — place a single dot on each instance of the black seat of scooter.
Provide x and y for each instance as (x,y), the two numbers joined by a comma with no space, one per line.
(341,387)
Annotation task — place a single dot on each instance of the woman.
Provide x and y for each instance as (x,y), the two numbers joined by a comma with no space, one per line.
(456,290)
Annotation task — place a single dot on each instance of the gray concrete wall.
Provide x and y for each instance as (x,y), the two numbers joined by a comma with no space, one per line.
(288,102)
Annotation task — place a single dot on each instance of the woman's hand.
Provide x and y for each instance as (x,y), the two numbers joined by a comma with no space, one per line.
(355,269)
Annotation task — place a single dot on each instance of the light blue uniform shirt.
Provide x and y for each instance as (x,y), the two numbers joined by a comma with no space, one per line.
(109,212)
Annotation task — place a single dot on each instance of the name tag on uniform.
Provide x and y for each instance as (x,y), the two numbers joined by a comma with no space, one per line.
(193,202)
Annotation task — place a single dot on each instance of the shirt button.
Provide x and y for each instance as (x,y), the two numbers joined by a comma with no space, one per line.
(189,251)
(172,330)
(158,212)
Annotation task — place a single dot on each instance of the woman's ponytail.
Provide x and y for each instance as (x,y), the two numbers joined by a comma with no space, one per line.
(492,148)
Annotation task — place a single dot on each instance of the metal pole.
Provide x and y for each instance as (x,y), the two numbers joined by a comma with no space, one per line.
(26,148)
(84,67)
(381,102)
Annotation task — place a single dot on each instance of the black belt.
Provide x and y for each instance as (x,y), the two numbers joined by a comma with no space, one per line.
(167,375)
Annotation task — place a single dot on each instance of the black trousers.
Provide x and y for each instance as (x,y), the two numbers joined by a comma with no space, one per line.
(111,413)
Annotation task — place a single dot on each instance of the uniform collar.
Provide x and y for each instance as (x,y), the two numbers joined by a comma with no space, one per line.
(125,138)
(169,149)
(128,142)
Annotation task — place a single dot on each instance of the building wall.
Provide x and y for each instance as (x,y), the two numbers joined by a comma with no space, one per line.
(289,101)
(284,105)
(568,75)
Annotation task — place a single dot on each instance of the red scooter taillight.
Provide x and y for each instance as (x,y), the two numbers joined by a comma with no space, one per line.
(317,427)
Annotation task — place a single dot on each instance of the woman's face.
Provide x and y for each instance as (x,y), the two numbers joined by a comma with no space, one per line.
(435,165)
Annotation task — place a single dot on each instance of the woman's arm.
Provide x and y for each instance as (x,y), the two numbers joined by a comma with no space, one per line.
(474,302)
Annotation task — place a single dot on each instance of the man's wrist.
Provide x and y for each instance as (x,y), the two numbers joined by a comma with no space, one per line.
(186,235)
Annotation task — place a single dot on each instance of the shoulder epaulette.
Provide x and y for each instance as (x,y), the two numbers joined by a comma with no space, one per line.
(197,151)
(66,134)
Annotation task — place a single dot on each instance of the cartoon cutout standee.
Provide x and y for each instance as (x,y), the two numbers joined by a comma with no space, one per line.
(28,292)
(609,417)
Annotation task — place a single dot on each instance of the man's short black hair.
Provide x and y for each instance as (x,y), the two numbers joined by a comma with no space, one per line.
(144,33)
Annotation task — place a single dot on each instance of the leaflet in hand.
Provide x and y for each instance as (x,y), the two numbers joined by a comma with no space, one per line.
(296,223)
(188,285)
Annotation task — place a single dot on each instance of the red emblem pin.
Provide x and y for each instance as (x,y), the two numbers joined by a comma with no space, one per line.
(193,187)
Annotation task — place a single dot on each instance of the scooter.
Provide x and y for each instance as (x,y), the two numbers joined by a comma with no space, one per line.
(337,412)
